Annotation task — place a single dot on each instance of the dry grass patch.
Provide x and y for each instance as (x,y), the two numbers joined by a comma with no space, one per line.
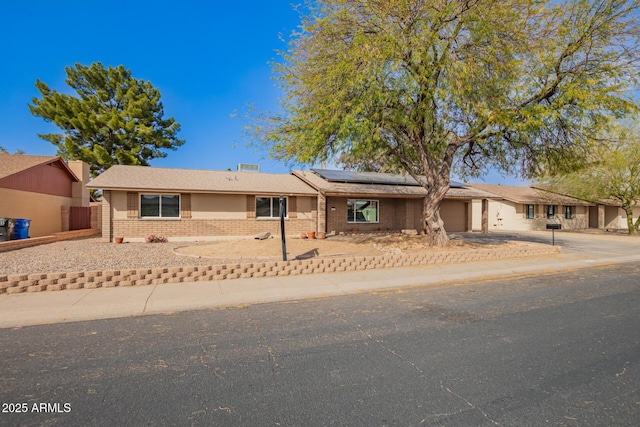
(351,245)
(272,248)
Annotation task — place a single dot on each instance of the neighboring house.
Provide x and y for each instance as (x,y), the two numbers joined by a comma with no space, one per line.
(367,202)
(609,215)
(186,204)
(530,208)
(42,189)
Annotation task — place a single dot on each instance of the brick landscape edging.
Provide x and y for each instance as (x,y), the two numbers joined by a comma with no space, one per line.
(12,245)
(17,283)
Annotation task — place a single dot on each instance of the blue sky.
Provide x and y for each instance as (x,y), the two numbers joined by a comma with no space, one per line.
(209,59)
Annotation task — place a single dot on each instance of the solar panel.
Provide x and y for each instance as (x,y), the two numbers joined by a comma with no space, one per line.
(371,178)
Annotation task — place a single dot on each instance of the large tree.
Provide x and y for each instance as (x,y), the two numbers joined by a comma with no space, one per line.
(113,119)
(612,172)
(440,84)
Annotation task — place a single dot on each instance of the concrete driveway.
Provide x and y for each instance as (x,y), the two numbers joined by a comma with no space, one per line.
(574,244)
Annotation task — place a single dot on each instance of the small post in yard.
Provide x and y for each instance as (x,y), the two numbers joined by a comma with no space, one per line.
(284,243)
(553,228)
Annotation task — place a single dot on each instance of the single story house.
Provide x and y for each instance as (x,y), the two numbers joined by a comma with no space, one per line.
(366,202)
(530,208)
(186,204)
(43,189)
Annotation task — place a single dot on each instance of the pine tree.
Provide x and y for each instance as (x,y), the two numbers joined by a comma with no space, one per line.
(113,119)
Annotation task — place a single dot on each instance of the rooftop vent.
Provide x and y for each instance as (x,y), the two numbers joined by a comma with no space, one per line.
(244,167)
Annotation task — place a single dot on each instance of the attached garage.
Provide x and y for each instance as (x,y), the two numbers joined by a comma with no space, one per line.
(454,215)
(611,217)
(397,200)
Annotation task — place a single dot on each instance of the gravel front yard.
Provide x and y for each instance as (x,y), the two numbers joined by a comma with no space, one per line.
(93,254)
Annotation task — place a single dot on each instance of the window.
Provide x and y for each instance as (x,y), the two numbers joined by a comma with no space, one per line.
(362,211)
(530,211)
(551,211)
(269,207)
(568,212)
(160,206)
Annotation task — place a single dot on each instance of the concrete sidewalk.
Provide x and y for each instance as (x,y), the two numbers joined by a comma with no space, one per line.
(26,309)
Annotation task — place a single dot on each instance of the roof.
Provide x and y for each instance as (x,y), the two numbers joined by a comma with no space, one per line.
(146,178)
(388,190)
(351,177)
(11,164)
(529,195)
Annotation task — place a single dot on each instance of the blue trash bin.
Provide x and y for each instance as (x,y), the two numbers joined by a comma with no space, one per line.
(21,228)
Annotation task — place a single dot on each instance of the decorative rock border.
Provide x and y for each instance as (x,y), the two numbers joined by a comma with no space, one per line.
(18,283)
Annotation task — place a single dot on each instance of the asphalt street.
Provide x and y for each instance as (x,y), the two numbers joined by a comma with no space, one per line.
(554,349)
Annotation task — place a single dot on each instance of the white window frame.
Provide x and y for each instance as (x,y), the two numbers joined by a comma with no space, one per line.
(274,200)
(355,219)
(140,195)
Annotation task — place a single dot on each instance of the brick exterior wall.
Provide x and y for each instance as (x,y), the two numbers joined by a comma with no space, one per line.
(393,215)
(107,215)
(96,215)
(322,216)
(208,228)
(186,227)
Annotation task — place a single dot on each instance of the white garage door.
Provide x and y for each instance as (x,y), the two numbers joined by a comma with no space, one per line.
(454,215)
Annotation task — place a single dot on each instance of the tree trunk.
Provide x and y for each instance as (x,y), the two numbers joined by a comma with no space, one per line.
(434,226)
(632,227)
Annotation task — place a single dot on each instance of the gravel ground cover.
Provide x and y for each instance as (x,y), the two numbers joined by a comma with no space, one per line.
(93,254)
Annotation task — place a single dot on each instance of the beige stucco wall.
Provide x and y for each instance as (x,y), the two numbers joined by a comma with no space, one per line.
(79,190)
(119,204)
(43,210)
(506,215)
(476,215)
(616,218)
(579,221)
(306,207)
(218,206)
